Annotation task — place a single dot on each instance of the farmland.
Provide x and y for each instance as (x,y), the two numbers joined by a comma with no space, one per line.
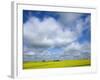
(56,64)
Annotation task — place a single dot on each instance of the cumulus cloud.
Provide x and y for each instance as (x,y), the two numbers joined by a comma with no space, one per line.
(47,33)
(51,39)
(69,17)
(78,50)
(29,53)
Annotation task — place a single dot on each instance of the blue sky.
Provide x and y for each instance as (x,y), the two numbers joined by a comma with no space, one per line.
(64,35)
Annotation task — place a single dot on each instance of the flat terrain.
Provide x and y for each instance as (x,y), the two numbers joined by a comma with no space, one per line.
(56,64)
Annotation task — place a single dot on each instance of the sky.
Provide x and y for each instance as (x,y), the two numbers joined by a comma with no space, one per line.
(51,35)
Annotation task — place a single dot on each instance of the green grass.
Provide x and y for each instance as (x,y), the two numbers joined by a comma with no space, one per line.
(56,64)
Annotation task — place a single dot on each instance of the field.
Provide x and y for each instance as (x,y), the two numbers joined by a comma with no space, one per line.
(56,64)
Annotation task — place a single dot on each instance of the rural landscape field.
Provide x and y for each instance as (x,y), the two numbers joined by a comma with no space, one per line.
(56,64)
(56,39)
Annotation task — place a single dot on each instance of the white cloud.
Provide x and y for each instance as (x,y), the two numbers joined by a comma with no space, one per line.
(69,17)
(79,50)
(74,22)
(29,53)
(47,33)
(78,46)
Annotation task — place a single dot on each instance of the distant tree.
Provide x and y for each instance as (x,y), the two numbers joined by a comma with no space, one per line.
(43,61)
(56,60)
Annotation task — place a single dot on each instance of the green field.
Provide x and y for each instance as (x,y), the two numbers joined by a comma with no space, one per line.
(56,64)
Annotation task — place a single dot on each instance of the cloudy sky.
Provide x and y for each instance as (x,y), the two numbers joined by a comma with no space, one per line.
(56,35)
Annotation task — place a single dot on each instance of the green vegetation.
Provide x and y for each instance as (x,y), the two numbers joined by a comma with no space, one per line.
(56,64)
